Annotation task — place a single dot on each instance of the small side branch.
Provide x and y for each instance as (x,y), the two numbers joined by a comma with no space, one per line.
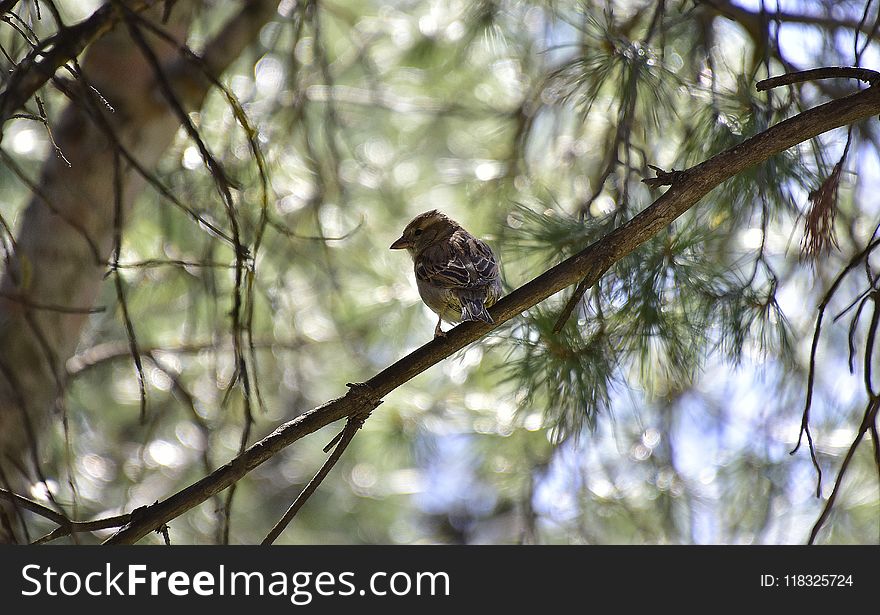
(341,441)
(663,178)
(869,76)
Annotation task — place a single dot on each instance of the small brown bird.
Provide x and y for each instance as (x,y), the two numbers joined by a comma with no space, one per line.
(456,273)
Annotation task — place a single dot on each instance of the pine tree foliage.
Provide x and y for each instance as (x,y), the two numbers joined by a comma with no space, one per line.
(662,411)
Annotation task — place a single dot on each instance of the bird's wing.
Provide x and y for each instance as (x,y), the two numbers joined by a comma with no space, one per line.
(461,262)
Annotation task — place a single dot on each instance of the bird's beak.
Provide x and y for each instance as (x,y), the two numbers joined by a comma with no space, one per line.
(401,244)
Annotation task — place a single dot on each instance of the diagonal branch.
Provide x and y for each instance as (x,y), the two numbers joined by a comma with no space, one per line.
(590,263)
(66,527)
(669,178)
(40,65)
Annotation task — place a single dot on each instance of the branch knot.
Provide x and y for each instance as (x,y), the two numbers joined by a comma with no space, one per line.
(664,178)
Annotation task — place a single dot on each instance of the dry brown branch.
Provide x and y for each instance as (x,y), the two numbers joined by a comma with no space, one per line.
(819,221)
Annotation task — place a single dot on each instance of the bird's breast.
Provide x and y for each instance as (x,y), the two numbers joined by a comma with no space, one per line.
(442,301)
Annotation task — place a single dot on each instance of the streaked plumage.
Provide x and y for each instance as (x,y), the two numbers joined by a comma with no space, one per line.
(457,274)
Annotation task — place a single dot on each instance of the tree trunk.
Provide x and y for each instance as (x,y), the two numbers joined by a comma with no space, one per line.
(66,234)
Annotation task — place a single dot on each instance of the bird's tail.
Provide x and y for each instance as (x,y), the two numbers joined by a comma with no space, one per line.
(473,309)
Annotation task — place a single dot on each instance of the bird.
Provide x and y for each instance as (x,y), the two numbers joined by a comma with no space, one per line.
(458,275)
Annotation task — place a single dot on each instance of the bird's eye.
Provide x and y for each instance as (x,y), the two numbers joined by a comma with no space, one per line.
(417,232)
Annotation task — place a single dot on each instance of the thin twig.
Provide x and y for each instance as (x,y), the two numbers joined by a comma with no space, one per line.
(120,287)
(811,374)
(61,309)
(32,506)
(111,351)
(868,419)
(246,323)
(41,197)
(243,256)
(96,113)
(342,441)
(66,526)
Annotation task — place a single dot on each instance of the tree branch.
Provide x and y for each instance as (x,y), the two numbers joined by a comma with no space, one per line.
(868,421)
(65,527)
(590,263)
(829,72)
(40,65)
(749,19)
